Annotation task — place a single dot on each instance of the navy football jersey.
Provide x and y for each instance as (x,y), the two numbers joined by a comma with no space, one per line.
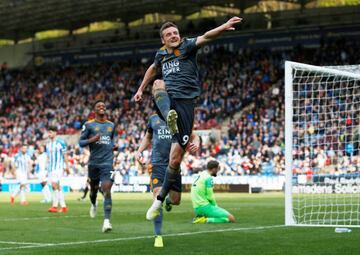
(179,69)
(101,151)
(161,140)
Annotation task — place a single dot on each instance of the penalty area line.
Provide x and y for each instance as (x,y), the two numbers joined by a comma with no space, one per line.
(141,237)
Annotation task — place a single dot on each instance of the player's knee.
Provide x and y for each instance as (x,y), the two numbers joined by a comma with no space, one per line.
(176,156)
(176,201)
(95,188)
(231,218)
(158,85)
(107,193)
(175,161)
(94,184)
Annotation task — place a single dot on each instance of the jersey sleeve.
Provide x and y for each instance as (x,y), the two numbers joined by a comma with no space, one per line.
(209,185)
(157,60)
(85,131)
(63,146)
(189,45)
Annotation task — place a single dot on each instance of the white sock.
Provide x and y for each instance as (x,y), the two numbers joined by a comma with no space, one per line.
(62,198)
(22,195)
(46,192)
(55,199)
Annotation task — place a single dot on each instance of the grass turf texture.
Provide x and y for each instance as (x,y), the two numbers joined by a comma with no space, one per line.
(259,229)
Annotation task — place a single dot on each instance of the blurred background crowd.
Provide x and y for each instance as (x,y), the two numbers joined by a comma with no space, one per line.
(243,98)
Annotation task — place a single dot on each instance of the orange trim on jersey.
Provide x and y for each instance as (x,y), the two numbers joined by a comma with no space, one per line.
(105,121)
(150,168)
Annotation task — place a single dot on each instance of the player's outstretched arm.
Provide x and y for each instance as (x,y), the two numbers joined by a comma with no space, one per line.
(214,33)
(149,75)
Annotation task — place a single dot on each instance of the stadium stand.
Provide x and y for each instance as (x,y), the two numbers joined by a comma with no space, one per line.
(245,89)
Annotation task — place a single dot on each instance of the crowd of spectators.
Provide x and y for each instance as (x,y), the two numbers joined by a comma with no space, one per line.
(245,87)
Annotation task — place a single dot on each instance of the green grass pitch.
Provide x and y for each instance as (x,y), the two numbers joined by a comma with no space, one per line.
(259,229)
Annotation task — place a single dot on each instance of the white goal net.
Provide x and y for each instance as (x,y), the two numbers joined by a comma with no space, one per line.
(322,130)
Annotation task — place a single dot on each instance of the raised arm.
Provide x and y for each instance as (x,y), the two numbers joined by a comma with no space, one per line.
(149,75)
(214,33)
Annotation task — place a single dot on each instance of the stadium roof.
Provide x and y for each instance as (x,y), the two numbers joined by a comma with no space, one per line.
(20,19)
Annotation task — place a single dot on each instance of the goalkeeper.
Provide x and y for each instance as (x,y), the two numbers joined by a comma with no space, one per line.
(202,197)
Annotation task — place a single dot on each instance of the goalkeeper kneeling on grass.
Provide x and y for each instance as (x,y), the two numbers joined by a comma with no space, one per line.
(202,197)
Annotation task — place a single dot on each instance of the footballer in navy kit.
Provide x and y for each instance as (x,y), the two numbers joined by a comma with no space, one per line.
(175,95)
(99,135)
(159,136)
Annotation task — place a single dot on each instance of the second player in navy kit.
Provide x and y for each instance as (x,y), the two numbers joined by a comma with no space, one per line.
(159,136)
(99,135)
(175,95)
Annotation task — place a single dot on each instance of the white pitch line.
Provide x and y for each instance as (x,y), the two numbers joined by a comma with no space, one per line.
(83,216)
(142,237)
(23,243)
(43,218)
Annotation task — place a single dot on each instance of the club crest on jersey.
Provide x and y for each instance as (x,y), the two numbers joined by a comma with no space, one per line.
(109,129)
(97,129)
(155,181)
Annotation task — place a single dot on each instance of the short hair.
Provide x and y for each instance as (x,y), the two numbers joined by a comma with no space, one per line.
(52,128)
(212,164)
(98,101)
(165,26)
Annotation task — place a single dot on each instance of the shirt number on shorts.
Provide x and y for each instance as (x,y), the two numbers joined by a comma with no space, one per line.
(185,139)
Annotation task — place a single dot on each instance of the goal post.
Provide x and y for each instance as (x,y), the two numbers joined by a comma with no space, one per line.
(322,145)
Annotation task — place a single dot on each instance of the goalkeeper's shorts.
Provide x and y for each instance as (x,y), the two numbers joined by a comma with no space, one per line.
(211,211)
